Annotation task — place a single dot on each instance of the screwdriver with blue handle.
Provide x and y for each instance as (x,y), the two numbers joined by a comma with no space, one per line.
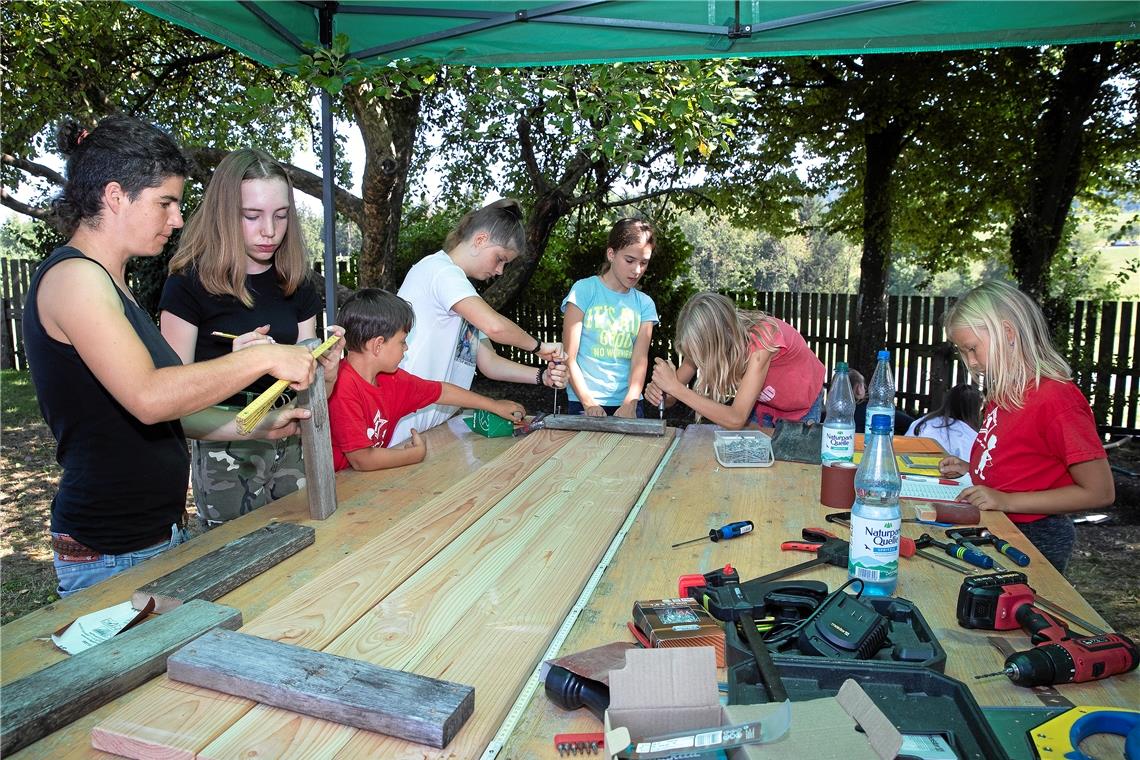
(725,532)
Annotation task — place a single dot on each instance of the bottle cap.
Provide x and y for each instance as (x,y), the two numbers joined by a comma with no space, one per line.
(841,367)
(884,355)
(881,423)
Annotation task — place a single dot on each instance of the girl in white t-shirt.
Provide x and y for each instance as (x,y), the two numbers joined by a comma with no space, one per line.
(954,424)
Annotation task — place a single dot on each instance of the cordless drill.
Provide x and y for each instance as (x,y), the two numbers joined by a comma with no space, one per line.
(1004,601)
(1059,658)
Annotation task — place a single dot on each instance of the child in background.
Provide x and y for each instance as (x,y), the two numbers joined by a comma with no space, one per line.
(954,424)
(761,362)
(372,393)
(608,328)
(241,268)
(1037,455)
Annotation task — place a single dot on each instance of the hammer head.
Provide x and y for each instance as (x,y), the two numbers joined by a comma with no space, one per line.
(536,423)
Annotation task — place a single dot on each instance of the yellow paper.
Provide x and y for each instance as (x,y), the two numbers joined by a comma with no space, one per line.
(912,464)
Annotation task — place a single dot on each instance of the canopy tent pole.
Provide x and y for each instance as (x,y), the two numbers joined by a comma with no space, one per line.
(326,35)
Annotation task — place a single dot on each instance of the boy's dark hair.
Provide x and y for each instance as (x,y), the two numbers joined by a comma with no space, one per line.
(373,312)
(133,153)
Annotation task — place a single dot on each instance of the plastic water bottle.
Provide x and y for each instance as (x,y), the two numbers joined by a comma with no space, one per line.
(876,520)
(881,392)
(839,425)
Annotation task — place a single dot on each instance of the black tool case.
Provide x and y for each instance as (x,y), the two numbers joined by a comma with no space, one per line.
(916,700)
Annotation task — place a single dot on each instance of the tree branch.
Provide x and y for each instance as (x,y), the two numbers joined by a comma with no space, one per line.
(161,79)
(526,148)
(31,167)
(656,194)
(6,199)
(348,205)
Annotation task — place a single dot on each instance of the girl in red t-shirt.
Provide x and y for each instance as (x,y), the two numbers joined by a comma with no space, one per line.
(762,363)
(1037,455)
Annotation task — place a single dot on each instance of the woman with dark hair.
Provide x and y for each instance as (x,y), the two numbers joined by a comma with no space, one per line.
(954,424)
(608,327)
(241,269)
(442,342)
(114,394)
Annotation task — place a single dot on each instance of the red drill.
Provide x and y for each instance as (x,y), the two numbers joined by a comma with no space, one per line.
(1064,659)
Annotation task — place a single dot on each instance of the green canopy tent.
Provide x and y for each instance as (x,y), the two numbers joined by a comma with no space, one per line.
(512,33)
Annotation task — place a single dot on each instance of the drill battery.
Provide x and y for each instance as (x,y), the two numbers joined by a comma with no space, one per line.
(991,601)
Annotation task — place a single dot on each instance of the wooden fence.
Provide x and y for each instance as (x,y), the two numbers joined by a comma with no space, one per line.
(1105,353)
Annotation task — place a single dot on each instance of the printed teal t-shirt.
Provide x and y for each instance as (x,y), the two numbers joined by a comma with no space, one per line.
(610,325)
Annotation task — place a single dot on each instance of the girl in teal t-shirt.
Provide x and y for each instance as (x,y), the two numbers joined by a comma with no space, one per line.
(608,327)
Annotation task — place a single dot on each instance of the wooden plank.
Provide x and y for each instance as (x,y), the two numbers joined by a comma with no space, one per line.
(316,446)
(224,569)
(346,691)
(38,704)
(508,581)
(583,423)
(315,614)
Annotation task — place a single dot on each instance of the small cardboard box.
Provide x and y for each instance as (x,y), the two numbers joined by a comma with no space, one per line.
(662,691)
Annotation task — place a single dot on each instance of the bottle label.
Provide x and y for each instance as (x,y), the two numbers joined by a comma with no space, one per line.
(874,553)
(838,444)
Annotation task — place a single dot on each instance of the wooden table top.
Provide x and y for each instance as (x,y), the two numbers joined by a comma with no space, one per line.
(695,495)
(691,496)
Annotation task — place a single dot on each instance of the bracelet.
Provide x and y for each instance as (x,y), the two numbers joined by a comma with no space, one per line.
(537,345)
(538,379)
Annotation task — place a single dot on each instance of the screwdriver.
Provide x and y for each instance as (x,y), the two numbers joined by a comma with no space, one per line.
(732,530)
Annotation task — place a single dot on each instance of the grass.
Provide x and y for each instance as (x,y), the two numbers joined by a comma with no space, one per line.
(18,405)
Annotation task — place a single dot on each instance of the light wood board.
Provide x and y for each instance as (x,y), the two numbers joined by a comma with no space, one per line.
(318,612)
(34,706)
(224,569)
(490,601)
(694,495)
(340,689)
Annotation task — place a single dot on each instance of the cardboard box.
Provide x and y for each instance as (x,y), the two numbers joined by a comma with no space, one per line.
(663,691)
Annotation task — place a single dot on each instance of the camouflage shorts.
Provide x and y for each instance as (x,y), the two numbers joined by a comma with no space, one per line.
(232,478)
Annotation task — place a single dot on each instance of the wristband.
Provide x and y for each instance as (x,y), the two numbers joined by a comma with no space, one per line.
(538,379)
(537,345)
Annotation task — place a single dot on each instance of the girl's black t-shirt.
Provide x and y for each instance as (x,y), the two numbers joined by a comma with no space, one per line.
(184,296)
(123,482)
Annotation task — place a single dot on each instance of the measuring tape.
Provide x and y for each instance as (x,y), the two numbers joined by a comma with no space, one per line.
(507,727)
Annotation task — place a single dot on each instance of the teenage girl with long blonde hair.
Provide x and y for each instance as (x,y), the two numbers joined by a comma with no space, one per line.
(241,269)
(749,366)
(1037,456)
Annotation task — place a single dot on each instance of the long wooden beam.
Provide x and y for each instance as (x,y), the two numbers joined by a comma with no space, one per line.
(224,569)
(582,423)
(38,704)
(350,692)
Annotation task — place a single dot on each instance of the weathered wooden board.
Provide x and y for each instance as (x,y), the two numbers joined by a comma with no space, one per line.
(582,423)
(317,613)
(38,704)
(226,568)
(316,445)
(484,609)
(340,689)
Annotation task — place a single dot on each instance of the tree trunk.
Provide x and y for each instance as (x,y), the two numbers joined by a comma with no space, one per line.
(883,143)
(389,129)
(1056,169)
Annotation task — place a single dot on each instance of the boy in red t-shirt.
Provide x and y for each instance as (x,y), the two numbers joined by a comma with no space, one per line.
(372,393)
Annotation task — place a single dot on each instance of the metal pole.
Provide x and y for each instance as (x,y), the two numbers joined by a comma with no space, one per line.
(326,33)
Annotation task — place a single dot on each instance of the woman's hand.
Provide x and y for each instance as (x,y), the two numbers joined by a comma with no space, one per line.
(627,410)
(258,337)
(294,364)
(953,467)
